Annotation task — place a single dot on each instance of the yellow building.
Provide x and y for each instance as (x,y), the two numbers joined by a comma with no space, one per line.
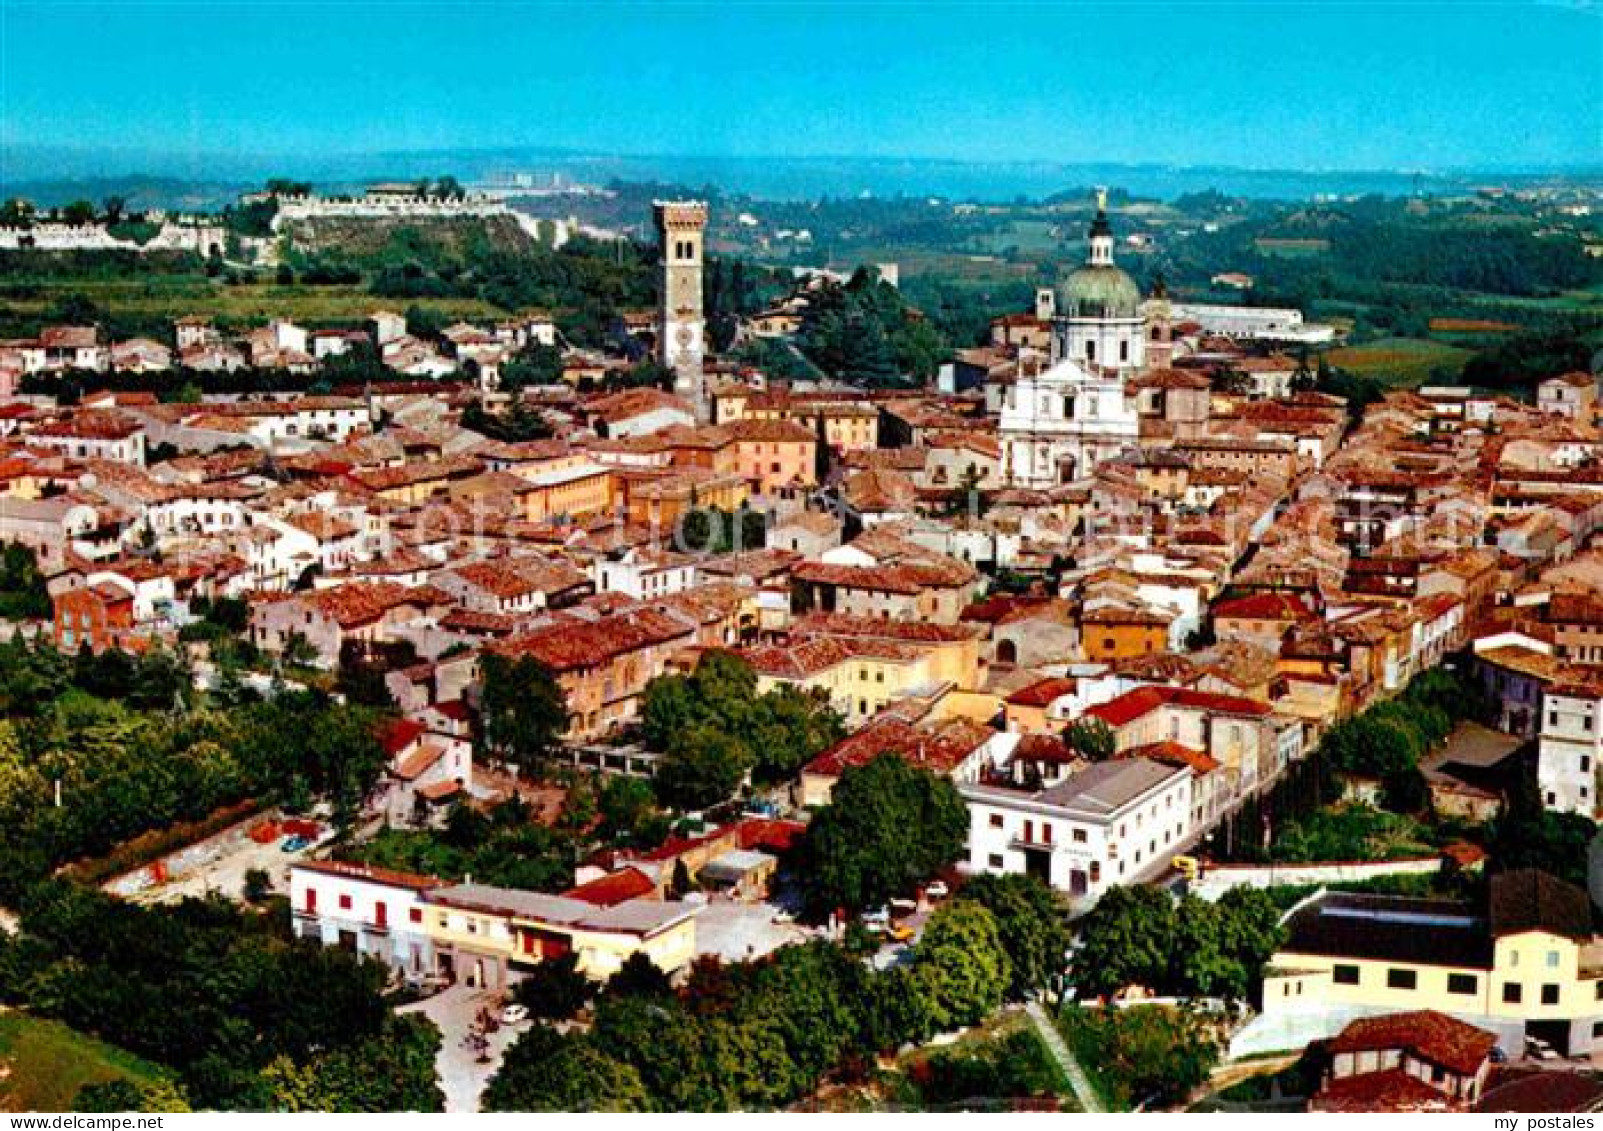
(569,491)
(862,670)
(505,925)
(1524,965)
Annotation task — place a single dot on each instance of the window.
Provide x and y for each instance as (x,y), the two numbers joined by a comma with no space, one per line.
(345,903)
(416,915)
(1344,974)
(1079,838)
(1397,979)
(1096,870)
(996,823)
(1550,994)
(1512,993)
(1552,960)
(1461,983)
(995,860)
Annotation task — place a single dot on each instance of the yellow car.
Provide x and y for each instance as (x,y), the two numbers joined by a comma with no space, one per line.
(1188,866)
(900,933)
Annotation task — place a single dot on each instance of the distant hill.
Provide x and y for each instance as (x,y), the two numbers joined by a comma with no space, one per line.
(170,194)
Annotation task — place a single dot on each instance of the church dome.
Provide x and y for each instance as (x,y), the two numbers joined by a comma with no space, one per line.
(1099,291)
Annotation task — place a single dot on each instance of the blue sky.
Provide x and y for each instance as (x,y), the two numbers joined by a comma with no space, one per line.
(1270,85)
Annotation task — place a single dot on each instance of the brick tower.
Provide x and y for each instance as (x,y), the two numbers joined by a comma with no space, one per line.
(681,325)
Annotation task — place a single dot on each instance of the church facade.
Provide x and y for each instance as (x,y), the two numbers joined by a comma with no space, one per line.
(1059,423)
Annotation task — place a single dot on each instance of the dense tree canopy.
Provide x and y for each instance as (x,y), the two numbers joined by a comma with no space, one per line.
(715,728)
(1139,936)
(889,826)
(1032,926)
(523,712)
(248,1018)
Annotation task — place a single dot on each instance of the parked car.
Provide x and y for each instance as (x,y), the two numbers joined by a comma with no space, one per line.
(903,906)
(880,915)
(900,933)
(295,844)
(937,890)
(783,916)
(514,1014)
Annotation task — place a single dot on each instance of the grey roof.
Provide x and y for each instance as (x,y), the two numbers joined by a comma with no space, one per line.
(1106,787)
(1096,793)
(634,916)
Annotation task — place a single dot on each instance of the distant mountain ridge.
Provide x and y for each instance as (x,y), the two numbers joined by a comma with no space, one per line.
(54,174)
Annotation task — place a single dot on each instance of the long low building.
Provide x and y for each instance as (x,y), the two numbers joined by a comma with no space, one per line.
(1524,964)
(427,928)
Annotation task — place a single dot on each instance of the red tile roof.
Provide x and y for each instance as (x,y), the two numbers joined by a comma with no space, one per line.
(1264,606)
(940,751)
(1135,703)
(574,645)
(1445,1041)
(1388,1090)
(371,874)
(1043,692)
(614,888)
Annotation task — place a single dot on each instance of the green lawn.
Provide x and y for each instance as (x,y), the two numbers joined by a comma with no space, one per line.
(1399,361)
(44,1063)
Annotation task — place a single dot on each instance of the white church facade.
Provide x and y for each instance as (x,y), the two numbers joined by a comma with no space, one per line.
(1059,424)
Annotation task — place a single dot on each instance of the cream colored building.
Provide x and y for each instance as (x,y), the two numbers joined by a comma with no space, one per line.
(1524,964)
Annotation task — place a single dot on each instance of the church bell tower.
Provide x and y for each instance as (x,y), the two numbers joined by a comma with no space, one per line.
(681,323)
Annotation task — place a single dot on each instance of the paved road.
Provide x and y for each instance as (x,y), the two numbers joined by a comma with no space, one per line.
(1079,1082)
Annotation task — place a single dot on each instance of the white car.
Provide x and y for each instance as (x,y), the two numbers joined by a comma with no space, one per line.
(514,1014)
(880,915)
(937,890)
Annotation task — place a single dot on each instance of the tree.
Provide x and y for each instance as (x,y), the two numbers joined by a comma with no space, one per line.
(1031,924)
(393,1071)
(629,813)
(523,712)
(548,1071)
(1092,739)
(122,1094)
(555,990)
(78,214)
(968,968)
(705,766)
(23,595)
(714,727)
(258,885)
(889,826)
(639,977)
(1124,941)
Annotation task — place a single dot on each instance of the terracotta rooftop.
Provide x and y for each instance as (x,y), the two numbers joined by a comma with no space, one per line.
(1454,1045)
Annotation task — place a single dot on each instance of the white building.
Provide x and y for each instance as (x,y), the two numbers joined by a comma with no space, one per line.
(1059,424)
(644,575)
(1257,323)
(1571,742)
(1117,822)
(1097,319)
(372,911)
